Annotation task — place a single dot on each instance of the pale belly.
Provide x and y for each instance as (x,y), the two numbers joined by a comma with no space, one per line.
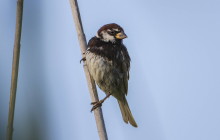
(106,75)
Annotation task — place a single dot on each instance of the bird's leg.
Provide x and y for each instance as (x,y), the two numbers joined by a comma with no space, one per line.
(99,103)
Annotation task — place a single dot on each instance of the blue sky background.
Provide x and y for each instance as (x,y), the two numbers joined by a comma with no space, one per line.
(174,89)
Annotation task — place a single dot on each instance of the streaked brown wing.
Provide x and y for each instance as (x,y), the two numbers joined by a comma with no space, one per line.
(125,68)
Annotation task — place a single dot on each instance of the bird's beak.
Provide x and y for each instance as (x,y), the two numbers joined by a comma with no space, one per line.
(121,35)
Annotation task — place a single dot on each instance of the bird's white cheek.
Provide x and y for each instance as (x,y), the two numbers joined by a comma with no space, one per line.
(107,37)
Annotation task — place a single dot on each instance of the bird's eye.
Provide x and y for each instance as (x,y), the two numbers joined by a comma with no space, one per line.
(112,32)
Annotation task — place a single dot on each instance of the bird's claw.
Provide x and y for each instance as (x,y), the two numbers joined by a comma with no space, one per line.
(96,105)
(83,59)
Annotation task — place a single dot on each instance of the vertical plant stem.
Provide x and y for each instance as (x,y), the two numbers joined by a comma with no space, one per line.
(15,64)
(91,84)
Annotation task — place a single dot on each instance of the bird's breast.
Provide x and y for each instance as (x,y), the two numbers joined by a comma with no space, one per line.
(105,72)
(98,66)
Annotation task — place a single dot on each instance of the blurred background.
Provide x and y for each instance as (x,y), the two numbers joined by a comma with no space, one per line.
(174,87)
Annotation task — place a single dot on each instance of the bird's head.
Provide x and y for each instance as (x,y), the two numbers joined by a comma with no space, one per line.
(111,33)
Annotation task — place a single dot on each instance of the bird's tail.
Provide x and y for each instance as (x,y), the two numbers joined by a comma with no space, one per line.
(126,112)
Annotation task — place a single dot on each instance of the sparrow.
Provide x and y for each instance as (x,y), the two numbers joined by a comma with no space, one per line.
(108,63)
